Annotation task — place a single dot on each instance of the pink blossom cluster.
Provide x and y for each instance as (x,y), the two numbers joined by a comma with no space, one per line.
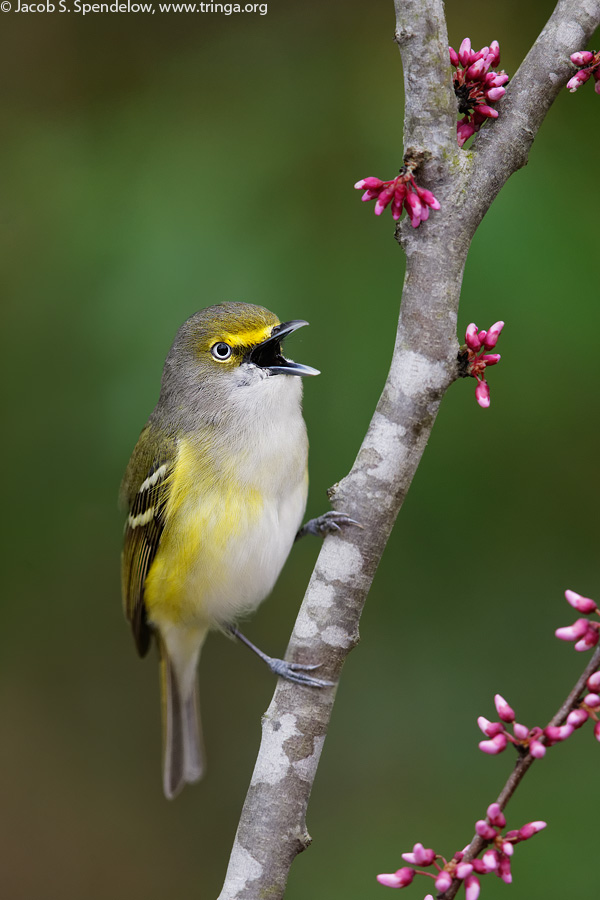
(402,191)
(498,737)
(476,86)
(588,62)
(495,858)
(584,632)
(536,740)
(478,342)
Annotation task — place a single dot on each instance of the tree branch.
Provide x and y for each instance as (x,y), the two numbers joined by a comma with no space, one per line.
(522,765)
(272,829)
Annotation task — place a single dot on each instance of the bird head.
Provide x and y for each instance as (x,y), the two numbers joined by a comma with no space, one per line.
(228,347)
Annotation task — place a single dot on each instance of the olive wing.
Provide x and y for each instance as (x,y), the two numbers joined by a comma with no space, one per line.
(145,491)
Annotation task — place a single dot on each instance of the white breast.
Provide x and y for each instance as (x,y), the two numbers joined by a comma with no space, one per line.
(269,465)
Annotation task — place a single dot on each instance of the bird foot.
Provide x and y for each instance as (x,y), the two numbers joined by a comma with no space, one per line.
(296,672)
(329,523)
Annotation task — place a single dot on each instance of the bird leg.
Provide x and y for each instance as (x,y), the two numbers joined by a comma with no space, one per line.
(329,523)
(290,671)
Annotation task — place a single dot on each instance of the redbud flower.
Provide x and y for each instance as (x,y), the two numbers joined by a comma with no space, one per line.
(588,62)
(586,633)
(495,745)
(476,86)
(506,712)
(581,604)
(443,881)
(401,192)
(496,816)
(420,856)
(475,364)
(593,681)
(472,887)
(399,879)
(556,733)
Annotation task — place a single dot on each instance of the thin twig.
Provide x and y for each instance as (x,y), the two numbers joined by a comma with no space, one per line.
(523,764)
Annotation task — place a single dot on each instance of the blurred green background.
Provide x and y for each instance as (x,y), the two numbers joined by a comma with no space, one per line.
(152,165)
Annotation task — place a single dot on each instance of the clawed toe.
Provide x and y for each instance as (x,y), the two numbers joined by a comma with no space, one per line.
(295,672)
(330,522)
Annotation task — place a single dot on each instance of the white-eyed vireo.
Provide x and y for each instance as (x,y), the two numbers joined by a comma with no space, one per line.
(216,489)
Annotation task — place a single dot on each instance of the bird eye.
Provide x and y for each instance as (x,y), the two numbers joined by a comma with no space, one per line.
(221,351)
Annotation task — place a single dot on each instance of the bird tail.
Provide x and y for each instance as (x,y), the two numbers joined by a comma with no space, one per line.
(183,750)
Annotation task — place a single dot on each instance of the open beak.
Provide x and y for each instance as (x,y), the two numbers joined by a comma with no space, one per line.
(268,355)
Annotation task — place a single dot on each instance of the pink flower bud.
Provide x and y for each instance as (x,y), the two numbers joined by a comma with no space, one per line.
(490,860)
(472,337)
(455,61)
(444,879)
(383,200)
(537,749)
(396,210)
(590,638)
(464,52)
(593,682)
(490,729)
(506,712)
(476,70)
(591,700)
(577,80)
(472,887)
(520,731)
(491,359)
(496,79)
(413,204)
(487,111)
(495,815)
(597,85)
(464,130)
(420,856)
(582,57)
(399,879)
(581,604)
(495,746)
(597,730)
(482,394)
(556,733)
(577,717)
(492,335)
(530,829)
(495,93)
(463,870)
(504,869)
(428,198)
(507,847)
(495,52)
(373,183)
(485,830)
(572,632)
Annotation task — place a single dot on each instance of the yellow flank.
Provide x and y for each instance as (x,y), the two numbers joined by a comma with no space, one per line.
(247,338)
(204,513)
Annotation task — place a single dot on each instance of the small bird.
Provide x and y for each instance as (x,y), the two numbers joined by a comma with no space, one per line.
(216,490)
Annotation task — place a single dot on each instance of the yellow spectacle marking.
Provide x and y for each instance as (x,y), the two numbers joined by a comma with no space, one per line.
(247,338)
